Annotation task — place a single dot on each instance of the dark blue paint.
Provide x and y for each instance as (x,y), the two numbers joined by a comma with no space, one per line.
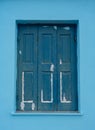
(27,63)
(46,57)
(50,45)
(67,52)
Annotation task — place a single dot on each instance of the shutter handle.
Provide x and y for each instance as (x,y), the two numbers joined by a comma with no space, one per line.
(52,67)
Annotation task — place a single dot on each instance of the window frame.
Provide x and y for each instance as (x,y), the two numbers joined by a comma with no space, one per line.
(69,22)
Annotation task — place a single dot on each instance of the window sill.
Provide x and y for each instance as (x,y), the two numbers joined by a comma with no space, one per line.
(47,114)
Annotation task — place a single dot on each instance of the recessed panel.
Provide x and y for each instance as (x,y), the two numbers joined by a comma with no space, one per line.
(28,86)
(28,48)
(47,86)
(65,48)
(65,87)
(46,48)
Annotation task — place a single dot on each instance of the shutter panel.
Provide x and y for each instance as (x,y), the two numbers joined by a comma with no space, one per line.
(47,69)
(67,75)
(27,68)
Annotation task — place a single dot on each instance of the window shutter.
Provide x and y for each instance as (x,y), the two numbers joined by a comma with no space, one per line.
(67,78)
(27,68)
(47,69)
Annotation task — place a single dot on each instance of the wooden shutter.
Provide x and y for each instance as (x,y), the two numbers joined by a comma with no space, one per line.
(47,69)
(67,69)
(27,68)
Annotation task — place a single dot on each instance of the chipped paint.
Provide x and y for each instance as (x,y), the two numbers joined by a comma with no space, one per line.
(60,61)
(33,106)
(66,28)
(20,52)
(65,100)
(51,101)
(30,101)
(55,27)
(52,68)
(62,99)
(22,105)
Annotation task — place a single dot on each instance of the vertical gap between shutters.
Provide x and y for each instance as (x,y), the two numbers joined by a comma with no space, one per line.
(57,67)
(37,62)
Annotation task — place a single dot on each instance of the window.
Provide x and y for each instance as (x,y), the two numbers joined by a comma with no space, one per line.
(46,68)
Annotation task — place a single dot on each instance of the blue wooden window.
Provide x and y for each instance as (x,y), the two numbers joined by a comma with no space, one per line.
(46,68)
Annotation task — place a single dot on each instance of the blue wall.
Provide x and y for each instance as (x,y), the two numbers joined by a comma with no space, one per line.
(82,10)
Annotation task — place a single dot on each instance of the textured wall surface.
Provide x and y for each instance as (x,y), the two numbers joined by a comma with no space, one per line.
(82,10)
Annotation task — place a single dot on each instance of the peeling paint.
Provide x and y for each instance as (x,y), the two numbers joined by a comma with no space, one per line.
(22,105)
(31,101)
(65,100)
(62,99)
(66,28)
(33,106)
(52,68)
(60,61)
(20,52)
(51,101)
(55,27)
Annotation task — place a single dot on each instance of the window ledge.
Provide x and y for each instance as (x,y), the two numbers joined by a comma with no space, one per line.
(47,114)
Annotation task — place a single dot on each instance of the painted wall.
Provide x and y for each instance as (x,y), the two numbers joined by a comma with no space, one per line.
(82,10)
